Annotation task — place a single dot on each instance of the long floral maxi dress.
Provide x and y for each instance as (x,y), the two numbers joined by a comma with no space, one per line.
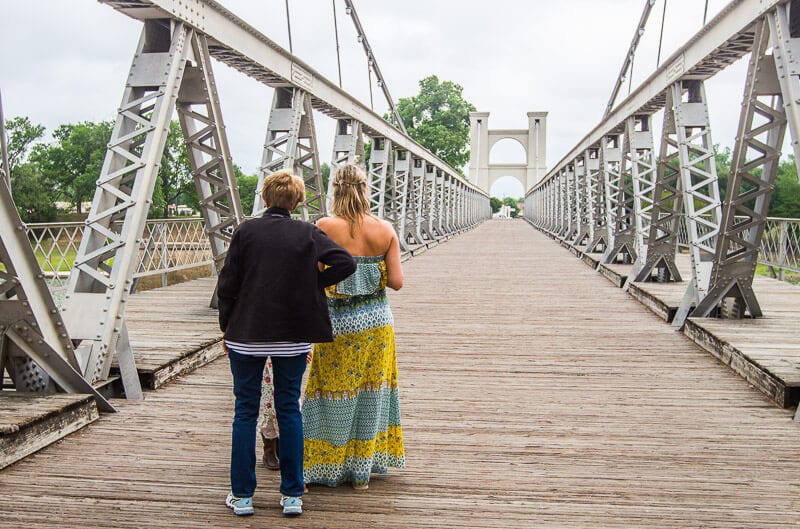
(351,414)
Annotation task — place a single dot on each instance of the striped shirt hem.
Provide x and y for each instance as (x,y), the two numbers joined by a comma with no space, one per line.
(269,348)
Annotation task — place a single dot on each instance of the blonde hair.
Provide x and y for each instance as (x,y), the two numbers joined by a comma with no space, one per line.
(282,189)
(350,195)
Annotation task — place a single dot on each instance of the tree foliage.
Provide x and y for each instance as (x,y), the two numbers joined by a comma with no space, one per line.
(73,163)
(495,203)
(22,134)
(247,189)
(785,200)
(512,203)
(438,118)
(33,194)
(175,179)
(786,196)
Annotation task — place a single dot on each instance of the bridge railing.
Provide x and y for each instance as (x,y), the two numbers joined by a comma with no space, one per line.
(779,249)
(167,245)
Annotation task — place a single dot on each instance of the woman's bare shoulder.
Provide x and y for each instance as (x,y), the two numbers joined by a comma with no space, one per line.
(387,228)
(329,222)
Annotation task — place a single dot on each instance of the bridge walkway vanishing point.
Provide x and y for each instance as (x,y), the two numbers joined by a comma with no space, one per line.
(534,394)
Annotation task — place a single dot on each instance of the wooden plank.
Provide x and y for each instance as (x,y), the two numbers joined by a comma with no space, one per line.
(30,421)
(533,394)
(616,273)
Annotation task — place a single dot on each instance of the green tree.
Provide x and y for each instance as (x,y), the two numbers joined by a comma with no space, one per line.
(175,178)
(22,134)
(495,203)
(247,189)
(33,194)
(73,163)
(512,203)
(722,160)
(786,196)
(438,118)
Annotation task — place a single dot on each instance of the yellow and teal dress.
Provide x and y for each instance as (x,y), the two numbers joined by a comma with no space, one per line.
(351,411)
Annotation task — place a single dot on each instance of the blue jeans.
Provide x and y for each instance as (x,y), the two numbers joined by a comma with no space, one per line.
(287,374)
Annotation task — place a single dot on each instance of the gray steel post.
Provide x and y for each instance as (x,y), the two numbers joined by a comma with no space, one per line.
(101,279)
(701,200)
(754,165)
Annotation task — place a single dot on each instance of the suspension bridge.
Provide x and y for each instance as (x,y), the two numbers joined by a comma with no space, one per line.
(638,373)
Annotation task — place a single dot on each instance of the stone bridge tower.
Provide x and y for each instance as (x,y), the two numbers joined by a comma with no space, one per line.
(533,140)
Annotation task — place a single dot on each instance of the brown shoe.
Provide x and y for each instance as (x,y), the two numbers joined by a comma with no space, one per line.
(270,458)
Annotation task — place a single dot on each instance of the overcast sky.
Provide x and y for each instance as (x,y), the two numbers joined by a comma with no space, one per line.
(65,61)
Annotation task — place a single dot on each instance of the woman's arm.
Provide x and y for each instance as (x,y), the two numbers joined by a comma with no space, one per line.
(394,268)
(229,282)
(340,263)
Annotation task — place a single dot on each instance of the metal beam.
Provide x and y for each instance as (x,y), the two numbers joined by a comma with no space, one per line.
(241,46)
(725,39)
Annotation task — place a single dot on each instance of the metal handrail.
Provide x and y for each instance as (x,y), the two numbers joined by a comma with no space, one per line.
(780,245)
(167,245)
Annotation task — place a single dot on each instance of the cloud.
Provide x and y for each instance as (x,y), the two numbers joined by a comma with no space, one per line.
(68,61)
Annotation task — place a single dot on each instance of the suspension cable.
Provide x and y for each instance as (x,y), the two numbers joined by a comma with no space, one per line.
(5,171)
(289,28)
(661,35)
(373,64)
(627,63)
(369,81)
(705,13)
(336,32)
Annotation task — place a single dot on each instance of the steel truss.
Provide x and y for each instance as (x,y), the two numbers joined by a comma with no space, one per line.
(756,155)
(208,152)
(417,199)
(401,195)
(562,222)
(640,160)
(429,206)
(377,169)
(699,187)
(35,348)
(171,68)
(597,202)
(619,203)
(291,143)
(570,200)
(583,199)
(101,279)
(348,148)
(662,241)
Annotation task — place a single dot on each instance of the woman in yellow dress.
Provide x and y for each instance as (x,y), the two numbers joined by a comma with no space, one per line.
(351,413)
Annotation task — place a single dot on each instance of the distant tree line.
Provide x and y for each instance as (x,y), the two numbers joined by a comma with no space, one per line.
(64,172)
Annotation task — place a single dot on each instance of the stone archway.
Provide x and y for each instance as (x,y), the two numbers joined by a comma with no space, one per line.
(483,173)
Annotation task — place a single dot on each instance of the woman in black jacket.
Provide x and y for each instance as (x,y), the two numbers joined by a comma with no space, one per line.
(272,303)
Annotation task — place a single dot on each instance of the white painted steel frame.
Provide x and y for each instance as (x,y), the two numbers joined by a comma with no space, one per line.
(101,280)
(35,348)
(641,161)
(378,168)
(754,165)
(208,152)
(239,45)
(291,144)
(699,187)
(619,203)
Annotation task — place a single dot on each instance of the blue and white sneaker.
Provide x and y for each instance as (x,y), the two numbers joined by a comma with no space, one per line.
(240,506)
(292,505)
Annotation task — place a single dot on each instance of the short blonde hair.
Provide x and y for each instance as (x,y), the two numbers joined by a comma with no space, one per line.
(350,195)
(282,189)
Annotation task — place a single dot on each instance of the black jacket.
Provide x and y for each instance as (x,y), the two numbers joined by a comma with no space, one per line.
(271,289)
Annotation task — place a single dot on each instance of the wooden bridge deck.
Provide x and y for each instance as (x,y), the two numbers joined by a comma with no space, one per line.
(534,394)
